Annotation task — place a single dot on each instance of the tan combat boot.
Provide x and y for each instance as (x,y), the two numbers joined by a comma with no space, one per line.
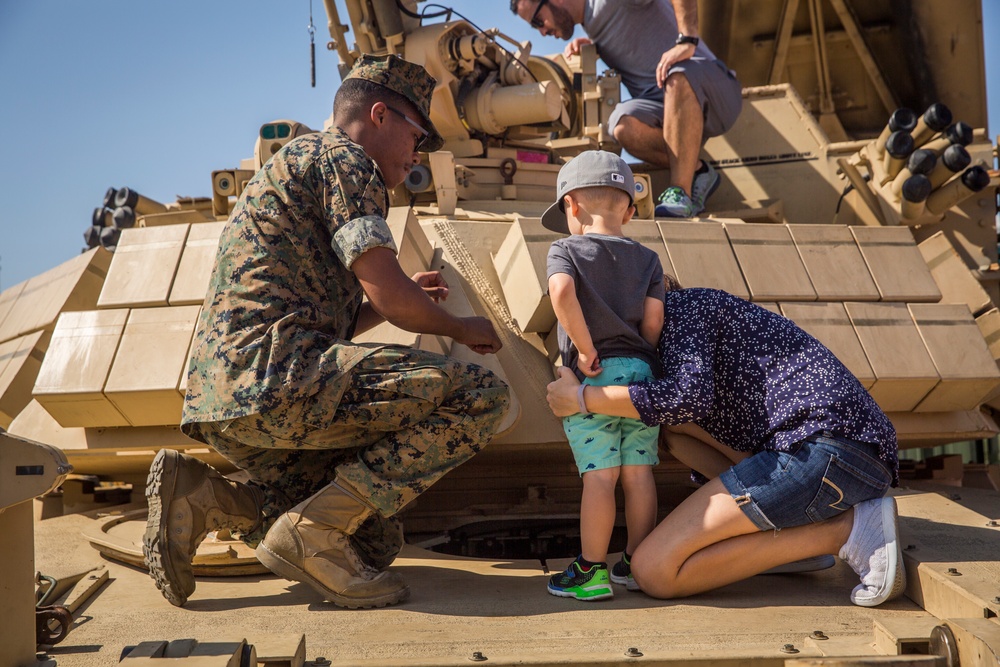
(310,543)
(187,499)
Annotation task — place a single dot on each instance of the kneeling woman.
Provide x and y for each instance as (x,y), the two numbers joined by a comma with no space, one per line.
(815,453)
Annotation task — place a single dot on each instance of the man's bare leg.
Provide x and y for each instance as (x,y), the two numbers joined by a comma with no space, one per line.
(683,127)
(642,141)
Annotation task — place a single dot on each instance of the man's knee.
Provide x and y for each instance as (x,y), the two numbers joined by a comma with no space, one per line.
(627,129)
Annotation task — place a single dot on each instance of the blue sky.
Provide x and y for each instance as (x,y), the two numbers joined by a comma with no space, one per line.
(154,96)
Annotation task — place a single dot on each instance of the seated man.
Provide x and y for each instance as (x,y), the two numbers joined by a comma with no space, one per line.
(681,93)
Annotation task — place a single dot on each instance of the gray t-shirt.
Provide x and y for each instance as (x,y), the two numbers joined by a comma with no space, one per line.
(631,36)
(613,277)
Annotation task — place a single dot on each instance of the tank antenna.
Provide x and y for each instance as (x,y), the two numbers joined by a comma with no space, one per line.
(312,45)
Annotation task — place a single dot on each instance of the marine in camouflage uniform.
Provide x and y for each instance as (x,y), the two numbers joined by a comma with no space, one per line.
(337,437)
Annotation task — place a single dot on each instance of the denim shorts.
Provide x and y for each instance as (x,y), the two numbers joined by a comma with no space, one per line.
(824,476)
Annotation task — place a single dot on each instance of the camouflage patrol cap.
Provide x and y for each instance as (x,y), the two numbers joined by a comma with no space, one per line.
(409,80)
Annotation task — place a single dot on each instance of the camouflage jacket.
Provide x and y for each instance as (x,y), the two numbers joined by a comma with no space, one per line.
(283,302)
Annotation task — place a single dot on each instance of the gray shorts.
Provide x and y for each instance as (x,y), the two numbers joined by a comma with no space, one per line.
(719,94)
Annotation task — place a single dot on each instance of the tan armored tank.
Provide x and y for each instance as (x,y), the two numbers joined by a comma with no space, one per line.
(826,215)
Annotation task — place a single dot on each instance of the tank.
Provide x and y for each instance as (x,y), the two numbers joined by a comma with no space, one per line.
(858,199)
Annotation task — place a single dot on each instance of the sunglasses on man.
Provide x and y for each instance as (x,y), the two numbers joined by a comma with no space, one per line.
(424,134)
(536,22)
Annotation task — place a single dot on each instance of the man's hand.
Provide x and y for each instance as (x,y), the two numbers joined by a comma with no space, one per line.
(433,284)
(562,393)
(670,58)
(589,363)
(480,336)
(573,48)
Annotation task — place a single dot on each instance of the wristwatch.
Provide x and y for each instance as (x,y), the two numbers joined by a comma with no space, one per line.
(686,39)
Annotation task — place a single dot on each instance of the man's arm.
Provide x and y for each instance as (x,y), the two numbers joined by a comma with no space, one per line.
(562,290)
(686,12)
(404,303)
(431,282)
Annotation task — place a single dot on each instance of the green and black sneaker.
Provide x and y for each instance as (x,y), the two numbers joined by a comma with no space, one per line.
(621,573)
(582,584)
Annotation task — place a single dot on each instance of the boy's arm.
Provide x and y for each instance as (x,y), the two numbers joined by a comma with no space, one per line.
(562,291)
(652,320)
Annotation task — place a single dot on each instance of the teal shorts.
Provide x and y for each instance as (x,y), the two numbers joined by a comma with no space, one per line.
(600,441)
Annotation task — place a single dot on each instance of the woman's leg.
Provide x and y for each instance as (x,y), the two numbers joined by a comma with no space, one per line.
(597,513)
(708,542)
(640,503)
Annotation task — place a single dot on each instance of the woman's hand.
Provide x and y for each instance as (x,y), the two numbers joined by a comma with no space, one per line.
(562,393)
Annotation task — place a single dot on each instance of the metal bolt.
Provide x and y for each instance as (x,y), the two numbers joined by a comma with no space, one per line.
(320,660)
(633,653)
(818,634)
(993,523)
(996,600)
(789,648)
(953,572)
(477,656)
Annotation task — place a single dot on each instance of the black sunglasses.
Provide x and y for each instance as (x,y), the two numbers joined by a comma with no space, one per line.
(536,22)
(424,134)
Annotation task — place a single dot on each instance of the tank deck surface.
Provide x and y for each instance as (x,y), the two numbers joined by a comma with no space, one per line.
(459,606)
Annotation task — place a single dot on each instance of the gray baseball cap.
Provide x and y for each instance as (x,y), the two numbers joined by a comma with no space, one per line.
(587,170)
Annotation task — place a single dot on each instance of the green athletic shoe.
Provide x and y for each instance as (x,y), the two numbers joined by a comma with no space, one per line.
(675,203)
(621,574)
(575,582)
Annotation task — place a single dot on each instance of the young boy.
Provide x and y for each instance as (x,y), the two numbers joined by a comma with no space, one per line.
(607,293)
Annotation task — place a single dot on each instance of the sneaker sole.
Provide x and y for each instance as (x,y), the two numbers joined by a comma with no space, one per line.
(159,489)
(895,575)
(598,594)
(286,570)
(628,582)
(813,564)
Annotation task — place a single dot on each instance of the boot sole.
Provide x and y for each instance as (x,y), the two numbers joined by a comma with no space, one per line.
(286,570)
(159,489)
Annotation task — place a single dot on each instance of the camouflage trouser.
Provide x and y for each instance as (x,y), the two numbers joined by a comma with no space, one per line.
(406,419)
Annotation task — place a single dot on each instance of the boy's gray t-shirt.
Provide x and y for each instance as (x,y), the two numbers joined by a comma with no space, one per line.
(613,277)
(631,36)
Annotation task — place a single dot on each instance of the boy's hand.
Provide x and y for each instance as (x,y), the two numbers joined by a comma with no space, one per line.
(589,363)
(433,284)
(480,336)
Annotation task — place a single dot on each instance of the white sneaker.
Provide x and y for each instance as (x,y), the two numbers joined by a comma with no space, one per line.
(873,552)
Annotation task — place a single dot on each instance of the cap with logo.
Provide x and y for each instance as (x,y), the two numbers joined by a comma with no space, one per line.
(409,80)
(587,170)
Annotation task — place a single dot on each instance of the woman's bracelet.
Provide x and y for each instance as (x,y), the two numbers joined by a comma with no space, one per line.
(579,399)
